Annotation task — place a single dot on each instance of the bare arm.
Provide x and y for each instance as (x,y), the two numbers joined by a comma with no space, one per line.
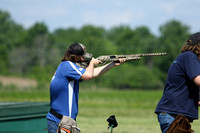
(103,69)
(196,80)
(90,70)
(98,71)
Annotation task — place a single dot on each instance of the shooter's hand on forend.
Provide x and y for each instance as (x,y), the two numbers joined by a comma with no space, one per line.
(119,62)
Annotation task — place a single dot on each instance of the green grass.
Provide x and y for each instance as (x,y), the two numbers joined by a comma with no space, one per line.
(24,96)
(134,109)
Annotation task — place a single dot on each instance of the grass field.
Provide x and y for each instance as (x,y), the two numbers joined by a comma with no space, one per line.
(134,109)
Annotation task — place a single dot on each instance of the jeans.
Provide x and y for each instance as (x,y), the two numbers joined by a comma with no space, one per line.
(52,126)
(165,121)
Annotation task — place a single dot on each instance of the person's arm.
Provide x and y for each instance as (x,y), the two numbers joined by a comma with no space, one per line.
(103,69)
(196,80)
(90,70)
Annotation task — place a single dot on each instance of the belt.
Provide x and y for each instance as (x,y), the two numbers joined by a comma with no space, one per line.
(53,112)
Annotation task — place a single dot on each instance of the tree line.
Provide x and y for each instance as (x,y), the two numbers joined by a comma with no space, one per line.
(36,52)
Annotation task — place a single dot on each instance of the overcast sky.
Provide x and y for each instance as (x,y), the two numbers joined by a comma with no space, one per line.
(107,13)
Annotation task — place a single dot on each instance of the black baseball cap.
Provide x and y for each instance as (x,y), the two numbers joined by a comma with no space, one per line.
(195,38)
(79,49)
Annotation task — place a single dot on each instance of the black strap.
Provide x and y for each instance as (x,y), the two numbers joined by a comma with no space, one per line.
(59,116)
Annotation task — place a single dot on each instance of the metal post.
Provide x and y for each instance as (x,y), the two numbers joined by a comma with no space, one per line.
(111,128)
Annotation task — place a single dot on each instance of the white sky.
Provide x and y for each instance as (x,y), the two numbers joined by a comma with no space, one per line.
(107,13)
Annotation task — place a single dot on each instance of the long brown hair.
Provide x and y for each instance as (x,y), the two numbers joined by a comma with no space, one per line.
(71,57)
(189,47)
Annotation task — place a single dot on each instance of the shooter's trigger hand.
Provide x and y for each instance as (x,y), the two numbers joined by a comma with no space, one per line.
(95,61)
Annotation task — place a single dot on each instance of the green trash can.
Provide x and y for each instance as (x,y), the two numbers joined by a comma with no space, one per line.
(26,117)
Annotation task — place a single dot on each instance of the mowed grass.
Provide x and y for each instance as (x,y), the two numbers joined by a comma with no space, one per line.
(133,109)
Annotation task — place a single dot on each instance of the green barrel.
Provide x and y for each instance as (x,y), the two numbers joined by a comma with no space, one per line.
(23,117)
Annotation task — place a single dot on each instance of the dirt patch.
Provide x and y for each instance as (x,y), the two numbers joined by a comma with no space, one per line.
(19,82)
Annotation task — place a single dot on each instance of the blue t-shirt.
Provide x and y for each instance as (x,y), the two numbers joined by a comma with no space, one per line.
(64,90)
(181,95)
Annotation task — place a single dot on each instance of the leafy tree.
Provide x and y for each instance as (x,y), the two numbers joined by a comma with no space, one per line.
(122,37)
(129,41)
(64,37)
(40,44)
(40,50)
(95,41)
(129,77)
(36,52)
(11,33)
(20,60)
(38,29)
(173,35)
(3,59)
(145,42)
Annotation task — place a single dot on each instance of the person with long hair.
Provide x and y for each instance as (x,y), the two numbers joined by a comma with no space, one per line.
(64,87)
(181,92)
